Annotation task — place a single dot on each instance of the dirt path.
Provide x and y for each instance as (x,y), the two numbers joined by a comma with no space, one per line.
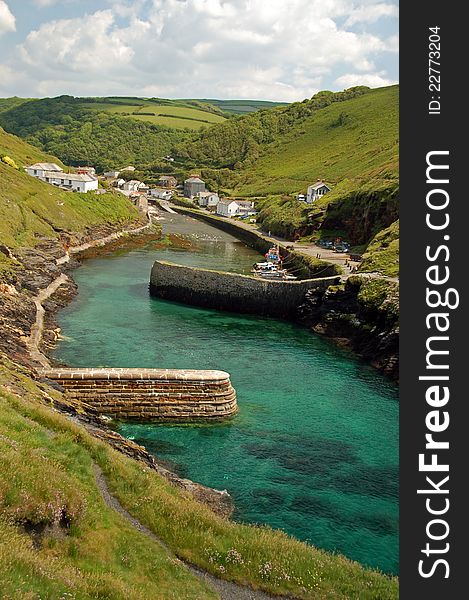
(37,328)
(226,589)
(100,242)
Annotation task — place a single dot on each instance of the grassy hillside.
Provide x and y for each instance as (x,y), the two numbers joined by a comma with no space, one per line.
(243,107)
(175,114)
(78,134)
(31,209)
(349,139)
(58,537)
(346,144)
(7,103)
(382,253)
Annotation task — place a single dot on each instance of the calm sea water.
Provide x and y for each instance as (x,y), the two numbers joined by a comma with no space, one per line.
(314,449)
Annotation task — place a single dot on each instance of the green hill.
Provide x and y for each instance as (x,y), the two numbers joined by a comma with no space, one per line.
(242,107)
(31,210)
(349,139)
(78,133)
(174,114)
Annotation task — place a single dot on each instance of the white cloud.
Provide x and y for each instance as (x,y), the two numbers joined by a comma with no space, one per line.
(269,49)
(76,47)
(371,13)
(370,79)
(7,18)
(45,2)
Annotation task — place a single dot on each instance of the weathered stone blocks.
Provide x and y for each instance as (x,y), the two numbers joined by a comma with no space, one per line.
(232,291)
(149,394)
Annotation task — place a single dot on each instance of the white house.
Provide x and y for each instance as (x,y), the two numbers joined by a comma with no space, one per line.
(38,169)
(111,174)
(317,190)
(53,174)
(207,199)
(119,183)
(132,186)
(74,181)
(235,208)
(161,194)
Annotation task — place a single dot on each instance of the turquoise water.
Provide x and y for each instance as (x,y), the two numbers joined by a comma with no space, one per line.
(314,449)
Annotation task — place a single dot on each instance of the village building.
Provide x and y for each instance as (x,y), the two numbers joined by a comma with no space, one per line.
(53,174)
(129,168)
(208,199)
(235,208)
(132,186)
(39,169)
(111,174)
(161,194)
(316,191)
(167,181)
(119,183)
(193,186)
(86,171)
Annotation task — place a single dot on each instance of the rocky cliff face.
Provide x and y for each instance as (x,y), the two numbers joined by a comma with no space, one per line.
(361,314)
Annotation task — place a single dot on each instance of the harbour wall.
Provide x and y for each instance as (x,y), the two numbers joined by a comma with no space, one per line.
(149,394)
(231,291)
(302,265)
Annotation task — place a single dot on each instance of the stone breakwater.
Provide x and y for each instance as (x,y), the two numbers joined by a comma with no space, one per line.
(149,394)
(304,266)
(231,291)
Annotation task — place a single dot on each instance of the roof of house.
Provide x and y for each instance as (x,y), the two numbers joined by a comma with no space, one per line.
(70,176)
(206,194)
(166,177)
(317,185)
(194,180)
(244,203)
(46,167)
(133,182)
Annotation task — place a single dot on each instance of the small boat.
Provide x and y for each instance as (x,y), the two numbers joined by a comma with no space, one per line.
(277,275)
(273,255)
(264,266)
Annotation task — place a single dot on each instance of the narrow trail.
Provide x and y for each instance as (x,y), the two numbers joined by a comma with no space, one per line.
(37,328)
(226,589)
(100,242)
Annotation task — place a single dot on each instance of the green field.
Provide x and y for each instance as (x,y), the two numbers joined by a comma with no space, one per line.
(170,114)
(242,107)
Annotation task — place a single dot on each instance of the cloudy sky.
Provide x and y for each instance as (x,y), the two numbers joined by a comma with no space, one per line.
(258,49)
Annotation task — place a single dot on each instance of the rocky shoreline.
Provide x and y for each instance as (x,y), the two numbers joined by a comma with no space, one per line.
(35,270)
(353,315)
(362,315)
